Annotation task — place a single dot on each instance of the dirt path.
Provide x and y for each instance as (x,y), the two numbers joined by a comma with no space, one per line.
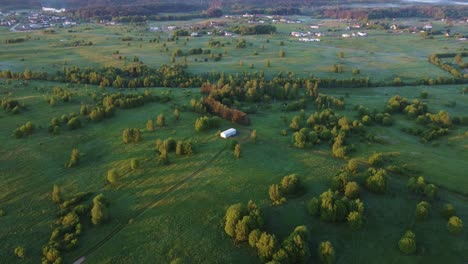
(159,198)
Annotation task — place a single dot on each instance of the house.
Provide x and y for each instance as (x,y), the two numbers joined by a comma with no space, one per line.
(362,34)
(194,34)
(345,35)
(228,133)
(315,27)
(394,27)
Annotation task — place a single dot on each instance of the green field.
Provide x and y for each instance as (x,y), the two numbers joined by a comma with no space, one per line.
(175,213)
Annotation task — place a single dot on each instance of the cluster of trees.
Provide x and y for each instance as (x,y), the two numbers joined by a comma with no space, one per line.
(24,130)
(419,186)
(14,40)
(245,224)
(205,123)
(290,186)
(65,235)
(368,117)
(324,126)
(331,207)
(437,125)
(102,10)
(254,30)
(72,121)
(131,135)
(438,12)
(223,111)
(10,105)
(164,147)
(436,59)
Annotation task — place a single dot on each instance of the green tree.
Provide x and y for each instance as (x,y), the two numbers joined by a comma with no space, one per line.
(253,136)
(430,191)
(112,176)
(377,181)
(314,206)
(134,164)
(275,194)
(455,225)
(266,246)
(243,228)
(176,114)
(99,212)
(74,158)
(290,184)
(355,220)
(56,196)
(20,252)
(160,120)
(233,215)
(282,54)
(237,151)
(150,125)
(254,236)
(326,252)
(422,210)
(448,210)
(407,243)
(352,190)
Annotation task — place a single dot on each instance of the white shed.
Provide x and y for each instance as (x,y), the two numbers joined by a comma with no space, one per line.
(228,133)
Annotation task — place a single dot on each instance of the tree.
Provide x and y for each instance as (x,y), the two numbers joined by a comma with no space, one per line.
(352,190)
(422,210)
(134,164)
(314,206)
(455,225)
(430,191)
(160,120)
(448,210)
(353,165)
(99,212)
(377,181)
(355,220)
(233,215)
(275,194)
(56,197)
(407,243)
(176,114)
(326,252)
(20,252)
(180,148)
(282,54)
(243,228)
(254,236)
(253,136)
(74,158)
(237,151)
(112,176)
(290,184)
(150,125)
(266,246)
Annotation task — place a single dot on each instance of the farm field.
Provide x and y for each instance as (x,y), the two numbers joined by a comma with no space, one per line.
(100,174)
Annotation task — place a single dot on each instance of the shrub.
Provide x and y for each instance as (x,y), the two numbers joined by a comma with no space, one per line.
(455,225)
(314,207)
(161,120)
(237,151)
(430,191)
(150,125)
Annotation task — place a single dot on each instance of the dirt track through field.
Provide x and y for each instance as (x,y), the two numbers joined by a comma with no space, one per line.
(159,198)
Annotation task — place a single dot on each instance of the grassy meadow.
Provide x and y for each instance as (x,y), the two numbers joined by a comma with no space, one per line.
(175,213)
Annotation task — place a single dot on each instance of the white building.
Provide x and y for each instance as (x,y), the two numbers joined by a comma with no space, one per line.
(228,133)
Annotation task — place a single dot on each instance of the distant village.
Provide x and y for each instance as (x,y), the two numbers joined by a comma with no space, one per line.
(35,20)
